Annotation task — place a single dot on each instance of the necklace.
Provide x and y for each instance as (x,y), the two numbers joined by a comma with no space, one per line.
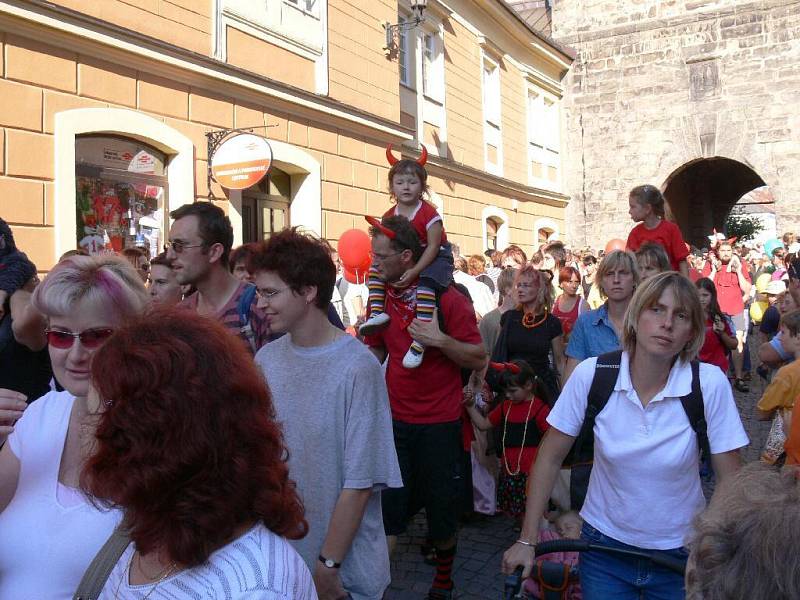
(529,319)
(524,435)
(164,574)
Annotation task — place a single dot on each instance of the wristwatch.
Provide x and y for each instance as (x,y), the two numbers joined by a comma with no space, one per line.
(329,562)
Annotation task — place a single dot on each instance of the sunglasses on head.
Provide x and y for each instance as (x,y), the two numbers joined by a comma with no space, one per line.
(90,338)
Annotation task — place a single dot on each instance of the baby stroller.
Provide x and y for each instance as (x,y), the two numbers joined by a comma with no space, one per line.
(554,578)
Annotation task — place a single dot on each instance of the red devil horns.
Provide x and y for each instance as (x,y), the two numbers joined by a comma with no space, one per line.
(393,160)
(423,157)
(383,229)
(510,367)
(390,157)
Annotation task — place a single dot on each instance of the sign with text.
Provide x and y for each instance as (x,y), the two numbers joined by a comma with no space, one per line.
(241,161)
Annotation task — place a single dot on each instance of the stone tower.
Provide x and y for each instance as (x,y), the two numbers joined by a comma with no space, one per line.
(699,97)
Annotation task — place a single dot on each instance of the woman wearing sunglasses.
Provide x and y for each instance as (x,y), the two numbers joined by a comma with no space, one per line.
(49,532)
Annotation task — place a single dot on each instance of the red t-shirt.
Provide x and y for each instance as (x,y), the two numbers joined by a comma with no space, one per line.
(432,392)
(424,216)
(517,413)
(666,235)
(729,293)
(713,351)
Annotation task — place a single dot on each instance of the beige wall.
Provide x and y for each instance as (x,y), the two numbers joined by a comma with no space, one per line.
(40,80)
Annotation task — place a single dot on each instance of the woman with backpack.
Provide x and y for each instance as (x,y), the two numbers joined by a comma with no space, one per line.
(644,488)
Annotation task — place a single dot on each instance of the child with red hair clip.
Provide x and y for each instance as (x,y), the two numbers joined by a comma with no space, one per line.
(408,183)
(522,417)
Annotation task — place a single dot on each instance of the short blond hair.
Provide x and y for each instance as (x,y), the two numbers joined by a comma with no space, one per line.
(615,260)
(648,294)
(105,281)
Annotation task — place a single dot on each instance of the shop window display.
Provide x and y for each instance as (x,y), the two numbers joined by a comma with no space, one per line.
(121,188)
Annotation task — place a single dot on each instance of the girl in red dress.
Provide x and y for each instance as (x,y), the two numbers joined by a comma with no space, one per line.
(522,417)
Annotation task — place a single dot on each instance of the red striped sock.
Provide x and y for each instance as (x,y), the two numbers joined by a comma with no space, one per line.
(444,568)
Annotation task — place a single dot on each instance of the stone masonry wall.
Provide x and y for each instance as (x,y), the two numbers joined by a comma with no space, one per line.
(660,83)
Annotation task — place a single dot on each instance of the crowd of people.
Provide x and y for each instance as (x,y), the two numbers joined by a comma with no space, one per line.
(249,423)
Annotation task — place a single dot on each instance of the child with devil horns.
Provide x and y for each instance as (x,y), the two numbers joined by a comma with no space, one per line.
(408,184)
(522,417)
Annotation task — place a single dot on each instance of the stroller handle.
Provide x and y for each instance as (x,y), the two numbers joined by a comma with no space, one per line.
(668,562)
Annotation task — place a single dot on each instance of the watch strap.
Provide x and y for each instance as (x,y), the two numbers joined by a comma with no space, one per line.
(329,562)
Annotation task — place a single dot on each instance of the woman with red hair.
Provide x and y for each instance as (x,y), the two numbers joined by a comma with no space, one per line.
(568,306)
(188,448)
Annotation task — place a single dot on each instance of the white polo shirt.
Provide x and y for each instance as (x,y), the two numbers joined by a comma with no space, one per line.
(645,489)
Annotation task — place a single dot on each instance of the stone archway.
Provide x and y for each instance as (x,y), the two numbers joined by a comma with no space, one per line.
(701,193)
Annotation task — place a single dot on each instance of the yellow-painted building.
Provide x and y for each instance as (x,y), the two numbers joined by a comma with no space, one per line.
(105,106)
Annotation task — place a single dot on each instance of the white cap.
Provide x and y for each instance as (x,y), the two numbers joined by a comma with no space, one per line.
(775,287)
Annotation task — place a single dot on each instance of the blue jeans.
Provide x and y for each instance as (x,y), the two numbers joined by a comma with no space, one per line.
(604,576)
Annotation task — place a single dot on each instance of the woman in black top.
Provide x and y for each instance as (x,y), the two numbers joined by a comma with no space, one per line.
(530,332)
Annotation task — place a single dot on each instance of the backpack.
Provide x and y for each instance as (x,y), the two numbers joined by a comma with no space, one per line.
(605,378)
(243,308)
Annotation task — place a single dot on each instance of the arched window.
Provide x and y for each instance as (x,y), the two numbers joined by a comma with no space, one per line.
(121,192)
(492,227)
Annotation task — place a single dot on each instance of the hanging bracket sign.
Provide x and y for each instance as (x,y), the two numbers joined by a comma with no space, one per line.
(241,161)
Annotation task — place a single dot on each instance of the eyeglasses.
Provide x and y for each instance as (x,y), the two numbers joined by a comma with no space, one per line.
(270,294)
(90,338)
(382,257)
(178,246)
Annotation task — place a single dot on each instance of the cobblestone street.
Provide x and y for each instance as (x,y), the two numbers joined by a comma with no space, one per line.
(481,544)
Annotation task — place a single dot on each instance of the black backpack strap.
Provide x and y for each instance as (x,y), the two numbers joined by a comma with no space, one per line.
(603,382)
(694,407)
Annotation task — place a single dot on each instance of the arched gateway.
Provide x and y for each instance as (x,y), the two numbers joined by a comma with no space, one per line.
(701,193)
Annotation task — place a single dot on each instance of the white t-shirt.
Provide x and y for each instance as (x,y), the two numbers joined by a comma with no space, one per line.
(259,565)
(482,300)
(645,489)
(47,540)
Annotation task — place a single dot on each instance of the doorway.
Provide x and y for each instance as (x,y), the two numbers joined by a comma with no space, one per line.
(265,206)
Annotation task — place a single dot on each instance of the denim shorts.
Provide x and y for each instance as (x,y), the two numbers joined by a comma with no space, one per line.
(604,575)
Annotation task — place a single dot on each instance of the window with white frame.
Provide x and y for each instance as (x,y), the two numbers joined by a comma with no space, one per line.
(432,65)
(295,24)
(493,143)
(544,144)
(491,92)
(405,54)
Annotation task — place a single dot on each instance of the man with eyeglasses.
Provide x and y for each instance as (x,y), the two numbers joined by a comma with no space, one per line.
(199,247)
(425,402)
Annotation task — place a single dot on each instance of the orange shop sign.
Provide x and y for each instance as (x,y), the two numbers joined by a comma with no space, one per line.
(241,161)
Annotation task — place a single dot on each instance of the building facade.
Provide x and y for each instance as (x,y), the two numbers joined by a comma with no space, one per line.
(698,98)
(105,109)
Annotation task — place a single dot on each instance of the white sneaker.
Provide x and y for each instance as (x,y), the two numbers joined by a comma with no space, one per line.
(374,324)
(413,359)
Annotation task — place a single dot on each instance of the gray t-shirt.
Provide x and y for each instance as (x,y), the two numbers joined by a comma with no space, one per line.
(332,403)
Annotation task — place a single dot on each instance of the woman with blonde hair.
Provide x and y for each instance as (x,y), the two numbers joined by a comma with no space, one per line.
(644,490)
(49,532)
(600,330)
(530,332)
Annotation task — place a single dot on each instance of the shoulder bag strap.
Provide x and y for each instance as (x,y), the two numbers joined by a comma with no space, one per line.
(103,563)
(694,407)
(603,382)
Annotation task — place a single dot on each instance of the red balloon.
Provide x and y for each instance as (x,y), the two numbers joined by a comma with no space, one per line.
(615,244)
(356,276)
(354,248)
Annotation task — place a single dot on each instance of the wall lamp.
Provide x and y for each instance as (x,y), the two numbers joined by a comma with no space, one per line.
(417,10)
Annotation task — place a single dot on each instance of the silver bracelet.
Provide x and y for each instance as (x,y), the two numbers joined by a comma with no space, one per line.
(524,543)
